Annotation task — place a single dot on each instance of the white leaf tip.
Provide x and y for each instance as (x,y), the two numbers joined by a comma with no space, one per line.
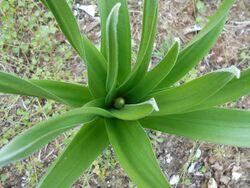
(154,104)
(177,39)
(234,70)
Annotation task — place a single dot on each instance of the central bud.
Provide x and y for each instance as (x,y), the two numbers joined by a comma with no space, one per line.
(119,103)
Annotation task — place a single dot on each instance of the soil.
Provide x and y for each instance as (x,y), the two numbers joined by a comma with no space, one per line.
(189,163)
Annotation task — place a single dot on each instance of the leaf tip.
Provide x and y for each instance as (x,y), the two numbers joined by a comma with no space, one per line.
(177,40)
(154,104)
(234,70)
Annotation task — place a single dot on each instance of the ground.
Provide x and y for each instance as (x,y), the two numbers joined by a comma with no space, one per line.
(33,47)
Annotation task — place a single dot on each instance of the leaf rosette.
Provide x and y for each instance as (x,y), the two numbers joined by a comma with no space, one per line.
(121,100)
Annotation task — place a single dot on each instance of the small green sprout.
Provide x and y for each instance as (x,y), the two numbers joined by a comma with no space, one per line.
(119,103)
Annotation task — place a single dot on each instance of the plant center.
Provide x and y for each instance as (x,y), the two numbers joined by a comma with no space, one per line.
(119,103)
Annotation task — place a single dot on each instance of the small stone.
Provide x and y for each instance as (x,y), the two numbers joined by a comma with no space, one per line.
(202,68)
(212,183)
(235,173)
(225,180)
(198,174)
(198,153)
(89,9)
(174,180)
(220,59)
(191,168)
(236,176)
(169,158)
(75,13)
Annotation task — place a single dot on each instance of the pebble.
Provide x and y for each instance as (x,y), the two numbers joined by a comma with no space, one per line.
(235,173)
(212,183)
(89,9)
(169,158)
(236,176)
(220,59)
(191,168)
(174,180)
(198,153)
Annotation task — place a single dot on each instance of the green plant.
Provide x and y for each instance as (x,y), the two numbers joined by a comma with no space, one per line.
(119,101)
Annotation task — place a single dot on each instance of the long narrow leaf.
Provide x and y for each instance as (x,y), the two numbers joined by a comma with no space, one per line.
(232,91)
(184,97)
(154,77)
(150,14)
(12,84)
(69,94)
(123,35)
(135,154)
(34,138)
(37,136)
(112,52)
(199,46)
(128,112)
(96,63)
(89,142)
(221,126)
(135,111)
(75,94)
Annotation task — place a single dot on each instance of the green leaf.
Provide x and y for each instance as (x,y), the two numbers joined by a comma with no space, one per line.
(95,61)
(112,52)
(235,89)
(135,111)
(123,35)
(150,14)
(221,126)
(193,53)
(75,94)
(69,94)
(184,97)
(39,135)
(134,152)
(45,3)
(89,142)
(128,112)
(12,84)
(155,76)
(34,138)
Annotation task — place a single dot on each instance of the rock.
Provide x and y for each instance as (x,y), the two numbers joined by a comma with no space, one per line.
(212,183)
(191,168)
(169,158)
(225,180)
(89,9)
(174,180)
(235,173)
(236,176)
(202,68)
(220,59)
(75,13)
(198,174)
(192,29)
(198,153)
